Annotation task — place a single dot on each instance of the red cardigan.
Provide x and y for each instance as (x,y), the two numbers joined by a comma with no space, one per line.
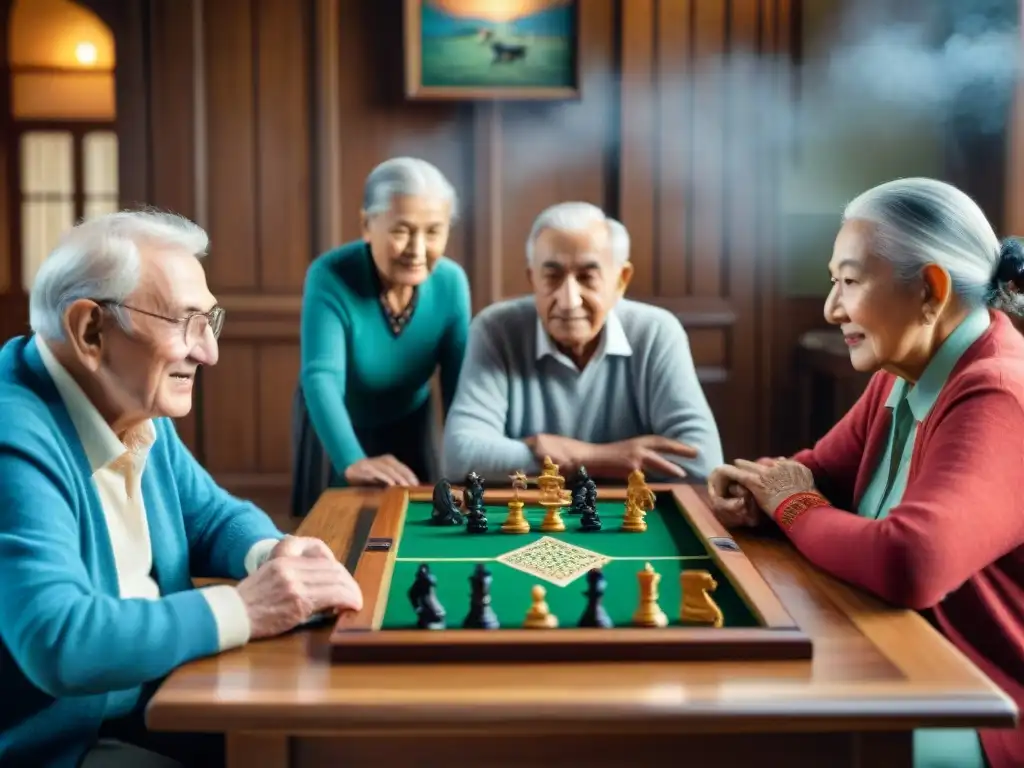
(953,548)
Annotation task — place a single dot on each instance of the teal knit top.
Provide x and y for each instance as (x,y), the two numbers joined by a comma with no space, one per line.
(356,373)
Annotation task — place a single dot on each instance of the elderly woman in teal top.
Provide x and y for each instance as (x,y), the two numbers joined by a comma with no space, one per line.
(379,317)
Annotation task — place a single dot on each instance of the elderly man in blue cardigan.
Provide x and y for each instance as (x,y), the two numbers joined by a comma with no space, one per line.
(105,516)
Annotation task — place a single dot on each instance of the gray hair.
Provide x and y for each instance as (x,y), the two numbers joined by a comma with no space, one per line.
(406,176)
(922,221)
(99,259)
(579,217)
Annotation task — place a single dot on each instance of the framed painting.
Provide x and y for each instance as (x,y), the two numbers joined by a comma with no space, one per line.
(492,49)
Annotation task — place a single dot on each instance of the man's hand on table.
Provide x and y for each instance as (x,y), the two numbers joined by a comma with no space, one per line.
(645,453)
(300,580)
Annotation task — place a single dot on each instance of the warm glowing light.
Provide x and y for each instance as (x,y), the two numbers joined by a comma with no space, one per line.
(495,10)
(85,53)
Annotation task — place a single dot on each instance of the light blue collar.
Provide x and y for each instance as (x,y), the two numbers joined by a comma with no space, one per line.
(613,341)
(923,395)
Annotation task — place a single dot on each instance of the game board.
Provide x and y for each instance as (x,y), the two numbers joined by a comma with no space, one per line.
(537,583)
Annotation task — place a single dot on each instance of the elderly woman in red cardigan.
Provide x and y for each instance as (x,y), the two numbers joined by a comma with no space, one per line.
(917,494)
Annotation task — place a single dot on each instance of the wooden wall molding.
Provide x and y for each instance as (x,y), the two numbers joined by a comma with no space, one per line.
(327,172)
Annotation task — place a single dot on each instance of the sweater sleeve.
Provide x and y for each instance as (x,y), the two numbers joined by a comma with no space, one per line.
(453,343)
(66,638)
(679,409)
(959,513)
(474,436)
(323,339)
(225,533)
(835,459)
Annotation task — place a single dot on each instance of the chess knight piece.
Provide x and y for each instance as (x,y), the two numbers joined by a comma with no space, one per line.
(698,607)
(639,499)
(516,522)
(446,508)
(581,485)
(473,497)
(429,612)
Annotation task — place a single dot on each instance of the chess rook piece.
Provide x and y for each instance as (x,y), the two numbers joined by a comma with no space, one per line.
(552,497)
(539,616)
(595,615)
(639,499)
(429,611)
(648,613)
(697,605)
(446,508)
(481,615)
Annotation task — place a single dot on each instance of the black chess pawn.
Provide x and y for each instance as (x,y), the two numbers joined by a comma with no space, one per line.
(595,615)
(429,611)
(446,508)
(481,615)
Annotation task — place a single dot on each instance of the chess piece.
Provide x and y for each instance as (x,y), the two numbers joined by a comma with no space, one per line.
(639,499)
(595,615)
(590,520)
(429,611)
(580,485)
(648,613)
(552,497)
(446,508)
(516,522)
(698,607)
(539,616)
(481,615)
(473,498)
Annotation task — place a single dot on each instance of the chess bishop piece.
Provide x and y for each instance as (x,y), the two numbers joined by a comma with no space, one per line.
(648,613)
(516,522)
(639,499)
(552,497)
(539,616)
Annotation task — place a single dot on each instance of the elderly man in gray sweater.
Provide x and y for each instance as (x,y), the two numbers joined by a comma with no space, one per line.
(577,372)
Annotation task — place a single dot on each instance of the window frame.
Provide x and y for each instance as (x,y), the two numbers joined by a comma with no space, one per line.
(78,130)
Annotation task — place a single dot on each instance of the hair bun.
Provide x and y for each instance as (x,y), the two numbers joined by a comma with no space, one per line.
(1011,262)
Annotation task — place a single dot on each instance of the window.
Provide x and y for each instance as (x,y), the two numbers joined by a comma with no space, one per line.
(67,173)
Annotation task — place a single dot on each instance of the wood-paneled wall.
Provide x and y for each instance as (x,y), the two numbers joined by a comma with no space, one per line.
(261,118)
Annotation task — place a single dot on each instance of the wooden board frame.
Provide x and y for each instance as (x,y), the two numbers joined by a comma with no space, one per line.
(357,637)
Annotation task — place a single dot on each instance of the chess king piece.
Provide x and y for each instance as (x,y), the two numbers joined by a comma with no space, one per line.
(697,606)
(648,613)
(595,615)
(539,616)
(446,508)
(553,497)
(516,522)
(429,611)
(639,499)
(473,497)
(481,615)
(589,519)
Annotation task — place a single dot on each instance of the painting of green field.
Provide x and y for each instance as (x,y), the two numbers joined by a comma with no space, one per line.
(462,49)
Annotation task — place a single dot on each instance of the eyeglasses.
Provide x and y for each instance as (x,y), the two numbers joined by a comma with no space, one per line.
(194,324)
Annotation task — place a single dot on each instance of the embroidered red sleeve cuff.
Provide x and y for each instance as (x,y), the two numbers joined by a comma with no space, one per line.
(792,507)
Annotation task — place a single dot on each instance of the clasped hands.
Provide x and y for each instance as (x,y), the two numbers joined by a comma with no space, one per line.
(647,453)
(739,492)
(300,580)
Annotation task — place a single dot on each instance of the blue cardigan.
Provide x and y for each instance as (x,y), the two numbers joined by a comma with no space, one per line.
(72,652)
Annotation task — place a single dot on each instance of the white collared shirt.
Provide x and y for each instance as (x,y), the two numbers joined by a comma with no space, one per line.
(117,469)
(613,342)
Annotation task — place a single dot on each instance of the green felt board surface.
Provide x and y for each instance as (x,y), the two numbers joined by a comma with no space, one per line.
(452,554)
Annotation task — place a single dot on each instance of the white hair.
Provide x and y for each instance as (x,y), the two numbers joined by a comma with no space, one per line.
(922,221)
(99,259)
(579,217)
(406,176)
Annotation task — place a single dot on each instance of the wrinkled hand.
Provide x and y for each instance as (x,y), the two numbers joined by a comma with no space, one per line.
(301,546)
(770,485)
(731,502)
(380,470)
(286,592)
(613,459)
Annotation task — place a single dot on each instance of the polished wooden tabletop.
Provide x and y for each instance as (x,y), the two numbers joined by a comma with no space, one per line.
(874,668)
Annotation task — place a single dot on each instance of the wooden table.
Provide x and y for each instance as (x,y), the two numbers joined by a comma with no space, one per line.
(877,674)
